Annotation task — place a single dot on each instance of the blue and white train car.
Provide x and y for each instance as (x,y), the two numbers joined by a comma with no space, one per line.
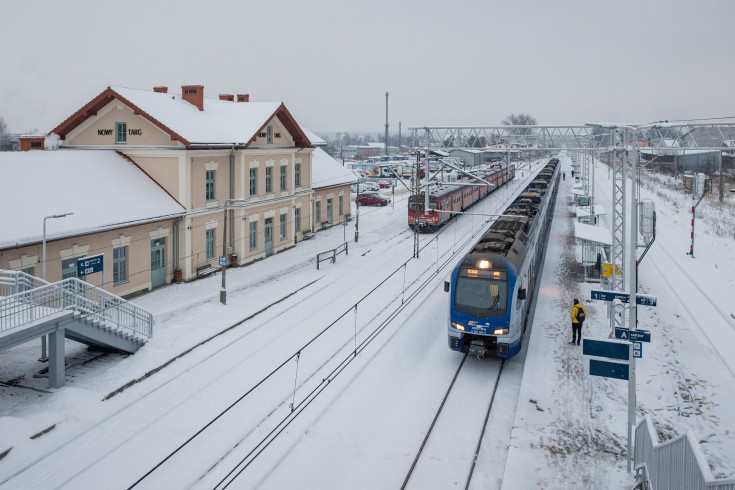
(492,286)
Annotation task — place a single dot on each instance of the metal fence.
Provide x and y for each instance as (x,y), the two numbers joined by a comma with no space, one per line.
(12,282)
(93,304)
(675,464)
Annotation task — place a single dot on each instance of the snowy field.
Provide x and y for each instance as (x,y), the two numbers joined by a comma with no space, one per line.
(348,364)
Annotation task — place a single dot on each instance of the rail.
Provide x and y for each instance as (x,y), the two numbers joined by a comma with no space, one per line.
(12,282)
(331,254)
(93,304)
(675,464)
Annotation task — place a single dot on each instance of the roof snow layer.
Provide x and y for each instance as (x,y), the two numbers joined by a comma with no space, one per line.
(327,172)
(103,189)
(221,121)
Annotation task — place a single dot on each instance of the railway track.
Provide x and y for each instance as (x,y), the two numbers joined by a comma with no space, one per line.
(444,428)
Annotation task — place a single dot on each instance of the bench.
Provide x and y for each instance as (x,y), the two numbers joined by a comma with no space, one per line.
(205,270)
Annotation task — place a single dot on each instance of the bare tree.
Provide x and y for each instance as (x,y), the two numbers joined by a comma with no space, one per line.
(6,144)
(519,120)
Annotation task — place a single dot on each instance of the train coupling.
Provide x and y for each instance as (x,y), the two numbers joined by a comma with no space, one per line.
(477,348)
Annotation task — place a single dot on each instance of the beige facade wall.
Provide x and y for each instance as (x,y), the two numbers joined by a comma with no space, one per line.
(136,238)
(100,130)
(164,170)
(280,137)
(323,196)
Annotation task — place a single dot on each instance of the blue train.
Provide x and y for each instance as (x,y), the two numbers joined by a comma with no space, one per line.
(492,286)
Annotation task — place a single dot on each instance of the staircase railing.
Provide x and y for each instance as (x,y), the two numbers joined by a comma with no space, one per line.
(678,463)
(12,282)
(94,304)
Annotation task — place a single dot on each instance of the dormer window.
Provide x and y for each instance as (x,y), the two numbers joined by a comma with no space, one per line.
(269,135)
(121,132)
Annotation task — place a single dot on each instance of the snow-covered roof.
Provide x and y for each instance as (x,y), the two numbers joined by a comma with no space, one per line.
(590,233)
(327,172)
(221,122)
(103,189)
(313,137)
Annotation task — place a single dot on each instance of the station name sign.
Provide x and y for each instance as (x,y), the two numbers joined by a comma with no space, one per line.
(110,132)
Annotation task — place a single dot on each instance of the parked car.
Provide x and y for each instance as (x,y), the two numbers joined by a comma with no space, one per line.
(366,187)
(384,184)
(372,199)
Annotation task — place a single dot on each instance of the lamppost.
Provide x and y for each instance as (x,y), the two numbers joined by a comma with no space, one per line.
(44,357)
(44,239)
(223,292)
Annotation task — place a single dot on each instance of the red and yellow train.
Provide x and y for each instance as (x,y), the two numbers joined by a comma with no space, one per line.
(447,199)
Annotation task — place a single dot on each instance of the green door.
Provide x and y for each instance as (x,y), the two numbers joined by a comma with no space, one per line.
(158,262)
(329,212)
(268,237)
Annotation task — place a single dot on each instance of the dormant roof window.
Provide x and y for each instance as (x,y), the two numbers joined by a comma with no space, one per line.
(121,132)
(269,135)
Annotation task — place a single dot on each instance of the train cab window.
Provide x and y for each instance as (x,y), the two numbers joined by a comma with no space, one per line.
(483,297)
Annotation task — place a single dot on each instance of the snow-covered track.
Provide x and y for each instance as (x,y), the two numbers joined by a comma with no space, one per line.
(431,467)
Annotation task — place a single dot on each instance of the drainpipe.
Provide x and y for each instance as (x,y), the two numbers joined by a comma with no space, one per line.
(232,196)
(177,269)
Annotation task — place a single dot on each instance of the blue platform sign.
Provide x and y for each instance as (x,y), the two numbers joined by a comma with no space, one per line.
(610,295)
(90,265)
(617,370)
(644,300)
(613,349)
(222,261)
(637,350)
(632,335)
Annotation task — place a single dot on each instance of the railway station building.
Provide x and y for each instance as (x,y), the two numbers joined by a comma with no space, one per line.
(201,159)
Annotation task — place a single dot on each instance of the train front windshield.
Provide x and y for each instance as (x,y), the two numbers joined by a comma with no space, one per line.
(481,297)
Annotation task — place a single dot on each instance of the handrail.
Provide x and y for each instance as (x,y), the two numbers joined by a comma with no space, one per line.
(12,282)
(92,303)
(331,254)
(677,463)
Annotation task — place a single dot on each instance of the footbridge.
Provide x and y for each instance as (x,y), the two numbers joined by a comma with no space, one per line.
(31,308)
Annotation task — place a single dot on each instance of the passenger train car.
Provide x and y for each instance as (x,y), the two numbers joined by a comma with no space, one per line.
(492,286)
(445,200)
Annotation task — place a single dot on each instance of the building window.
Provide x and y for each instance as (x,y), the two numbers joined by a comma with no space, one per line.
(297,219)
(36,144)
(318,212)
(119,265)
(28,270)
(340,205)
(253,235)
(283,226)
(253,181)
(283,177)
(269,135)
(297,175)
(268,180)
(210,243)
(121,132)
(210,185)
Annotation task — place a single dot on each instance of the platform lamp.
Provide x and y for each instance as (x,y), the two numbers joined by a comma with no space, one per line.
(44,357)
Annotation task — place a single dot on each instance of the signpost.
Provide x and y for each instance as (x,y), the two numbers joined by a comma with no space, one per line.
(222,261)
(607,270)
(640,299)
(632,335)
(616,370)
(91,265)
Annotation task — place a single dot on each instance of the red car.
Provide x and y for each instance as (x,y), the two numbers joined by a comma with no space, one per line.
(371,198)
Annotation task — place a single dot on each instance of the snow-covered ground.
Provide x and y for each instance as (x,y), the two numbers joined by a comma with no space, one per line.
(299,328)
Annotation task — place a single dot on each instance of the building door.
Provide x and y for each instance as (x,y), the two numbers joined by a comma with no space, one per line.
(268,237)
(329,212)
(158,262)
(69,270)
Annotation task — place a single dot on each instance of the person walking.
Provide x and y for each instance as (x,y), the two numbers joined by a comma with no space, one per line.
(563,176)
(578,316)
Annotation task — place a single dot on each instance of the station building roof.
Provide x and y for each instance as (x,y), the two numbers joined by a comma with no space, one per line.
(327,172)
(103,189)
(199,123)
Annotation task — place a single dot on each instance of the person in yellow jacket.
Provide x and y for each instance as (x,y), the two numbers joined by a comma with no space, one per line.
(579,314)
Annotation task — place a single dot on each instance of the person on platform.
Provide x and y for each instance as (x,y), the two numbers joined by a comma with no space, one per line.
(578,316)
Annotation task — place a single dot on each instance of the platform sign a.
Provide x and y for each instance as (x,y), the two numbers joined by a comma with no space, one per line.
(632,335)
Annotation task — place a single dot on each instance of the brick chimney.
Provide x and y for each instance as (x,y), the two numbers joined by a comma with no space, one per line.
(161,90)
(229,97)
(243,97)
(28,143)
(193,94)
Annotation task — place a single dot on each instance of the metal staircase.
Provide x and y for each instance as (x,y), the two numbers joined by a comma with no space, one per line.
(31,308)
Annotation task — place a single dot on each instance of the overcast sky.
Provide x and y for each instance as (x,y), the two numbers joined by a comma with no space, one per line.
(444,62)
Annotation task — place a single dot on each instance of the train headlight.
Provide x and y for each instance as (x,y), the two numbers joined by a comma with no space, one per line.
(500,331)
(458,326)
